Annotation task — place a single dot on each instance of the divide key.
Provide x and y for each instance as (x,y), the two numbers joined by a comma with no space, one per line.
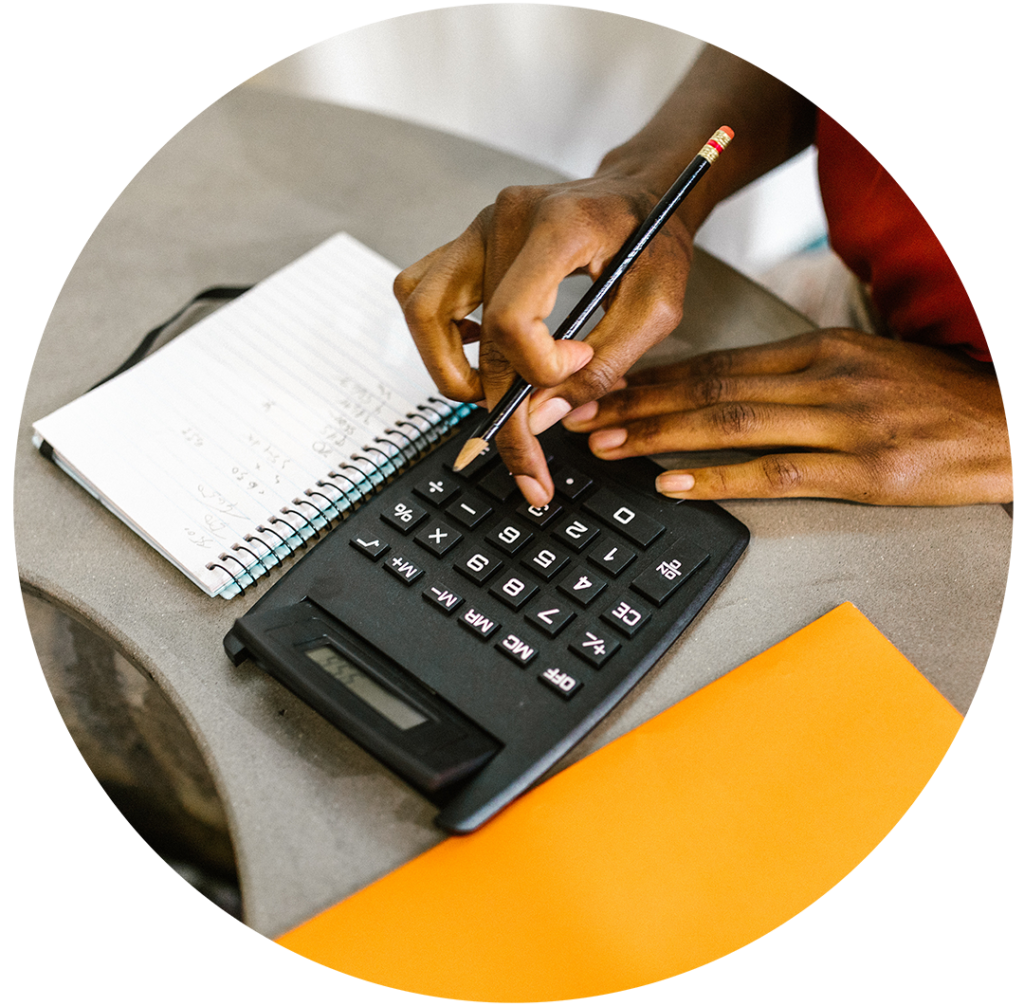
(636,526)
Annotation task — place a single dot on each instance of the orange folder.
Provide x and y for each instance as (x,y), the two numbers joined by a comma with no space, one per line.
(697,832)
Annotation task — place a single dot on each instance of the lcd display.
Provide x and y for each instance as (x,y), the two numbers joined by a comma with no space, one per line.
(363,687)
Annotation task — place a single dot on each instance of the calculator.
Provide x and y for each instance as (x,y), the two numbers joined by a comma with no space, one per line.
(468,640)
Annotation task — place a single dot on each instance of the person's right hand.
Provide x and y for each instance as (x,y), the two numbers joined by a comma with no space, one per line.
(511,260)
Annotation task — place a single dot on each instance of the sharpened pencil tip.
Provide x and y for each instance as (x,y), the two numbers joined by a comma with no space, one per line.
(472,449)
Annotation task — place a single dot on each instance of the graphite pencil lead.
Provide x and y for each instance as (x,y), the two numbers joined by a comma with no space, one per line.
(471,450)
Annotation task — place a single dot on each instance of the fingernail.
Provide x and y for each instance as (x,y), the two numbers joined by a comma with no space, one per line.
(674,482)
(581,415)
(547,414)
(619,384)
(533,492)
(607,440)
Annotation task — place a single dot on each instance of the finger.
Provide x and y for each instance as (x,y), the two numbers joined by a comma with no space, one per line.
(525,459)
(436,295)
(754,425)
(827,475)
(545,412)
(647,307)
(561,241)
(788,356)
(638,402)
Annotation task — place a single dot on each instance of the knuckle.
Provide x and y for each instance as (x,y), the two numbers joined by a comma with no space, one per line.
(710,365)
(734,418)
(781,473)
(708,391)
(838,344)
(666,314)
(492,361)
(594,380)
(512,199)
(403,286)
(415,306)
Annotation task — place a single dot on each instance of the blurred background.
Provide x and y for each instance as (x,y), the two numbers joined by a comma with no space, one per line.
(557,85)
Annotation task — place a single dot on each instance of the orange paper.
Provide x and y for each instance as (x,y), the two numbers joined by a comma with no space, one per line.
(687,838)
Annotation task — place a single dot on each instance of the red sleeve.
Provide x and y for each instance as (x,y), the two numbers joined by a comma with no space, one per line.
(879,233)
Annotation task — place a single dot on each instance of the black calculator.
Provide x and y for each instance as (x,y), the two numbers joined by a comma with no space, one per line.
(468,640)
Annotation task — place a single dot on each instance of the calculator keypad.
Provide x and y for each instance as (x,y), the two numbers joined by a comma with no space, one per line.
(520,627)
(544,567)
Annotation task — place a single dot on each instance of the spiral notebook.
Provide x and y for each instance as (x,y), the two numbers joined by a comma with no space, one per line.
(261,424)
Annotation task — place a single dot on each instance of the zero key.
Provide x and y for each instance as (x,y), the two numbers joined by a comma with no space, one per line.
(637,527)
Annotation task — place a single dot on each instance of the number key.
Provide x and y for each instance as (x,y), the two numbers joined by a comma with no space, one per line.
(479,566)
(513,591)
(510,538)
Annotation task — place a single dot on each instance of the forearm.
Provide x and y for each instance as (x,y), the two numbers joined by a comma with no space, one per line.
(772,123)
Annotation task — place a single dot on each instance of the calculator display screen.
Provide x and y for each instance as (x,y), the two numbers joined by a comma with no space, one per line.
(359,684)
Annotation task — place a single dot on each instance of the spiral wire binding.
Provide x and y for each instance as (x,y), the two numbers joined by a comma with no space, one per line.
(438,418)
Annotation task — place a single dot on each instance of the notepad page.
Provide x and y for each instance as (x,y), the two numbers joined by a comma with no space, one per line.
(212,435)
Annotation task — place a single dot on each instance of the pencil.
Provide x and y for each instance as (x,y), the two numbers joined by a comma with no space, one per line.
(599,290)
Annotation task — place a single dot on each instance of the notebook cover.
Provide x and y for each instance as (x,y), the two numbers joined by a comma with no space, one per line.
(685,839)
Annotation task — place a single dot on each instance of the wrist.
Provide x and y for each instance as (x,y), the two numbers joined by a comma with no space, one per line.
(650,173)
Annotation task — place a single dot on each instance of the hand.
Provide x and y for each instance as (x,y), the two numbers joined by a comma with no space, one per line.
(511,260)
(842,414)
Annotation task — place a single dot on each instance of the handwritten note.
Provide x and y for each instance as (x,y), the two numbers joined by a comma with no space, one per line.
(245,425)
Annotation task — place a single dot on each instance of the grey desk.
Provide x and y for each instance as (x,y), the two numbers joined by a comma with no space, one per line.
(246,187)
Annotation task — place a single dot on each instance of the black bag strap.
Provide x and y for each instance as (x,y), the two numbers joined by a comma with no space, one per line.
(213,293)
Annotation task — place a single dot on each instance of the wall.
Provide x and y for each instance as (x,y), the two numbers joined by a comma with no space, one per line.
(559,85)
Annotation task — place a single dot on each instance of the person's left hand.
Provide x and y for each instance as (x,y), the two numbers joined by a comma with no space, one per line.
(842,414)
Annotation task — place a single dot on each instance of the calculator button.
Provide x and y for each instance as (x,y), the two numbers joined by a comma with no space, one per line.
(509,537)
(476,621)
(516,649)
(406,570)
(550,616)
(570,483)
(404,515)
(513,591)
(613,559)
(558,681)
(627,617)
(539,515)
(546,562)
(637,527)
(370,546)
(441,597)
(479,566)
(664,578)
(577,533)
(581,585)
(499,483)
(594,645)
(469,510)
(438,538)
(438,490)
